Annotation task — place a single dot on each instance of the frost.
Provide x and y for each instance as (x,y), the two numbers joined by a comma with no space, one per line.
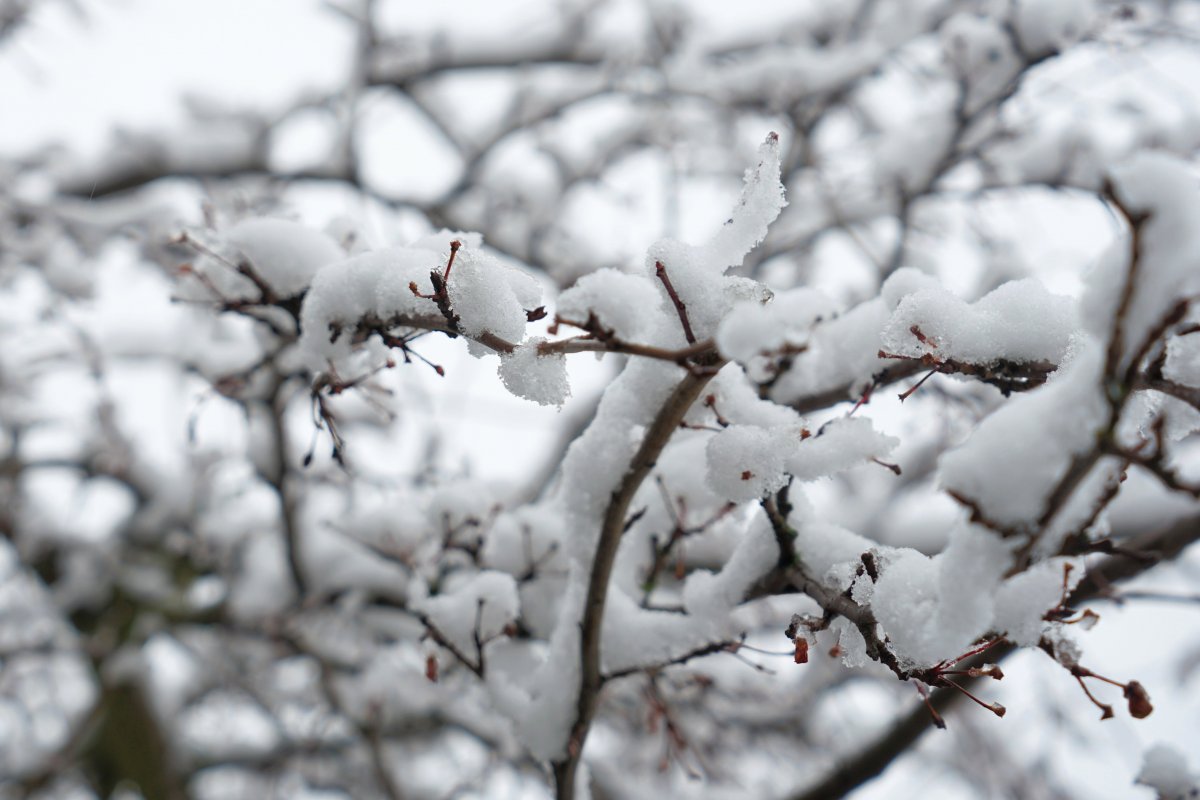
(1019,321)
(624,304)
(541,378)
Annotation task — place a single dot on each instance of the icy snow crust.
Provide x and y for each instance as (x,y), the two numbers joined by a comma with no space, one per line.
(743,447)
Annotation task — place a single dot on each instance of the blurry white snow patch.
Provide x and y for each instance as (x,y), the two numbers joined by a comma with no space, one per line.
(1166,771)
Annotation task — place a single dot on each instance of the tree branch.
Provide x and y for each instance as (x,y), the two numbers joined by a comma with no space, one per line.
(657,436)
(904,733)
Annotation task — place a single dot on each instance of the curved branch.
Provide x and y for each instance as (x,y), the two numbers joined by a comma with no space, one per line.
(659,433)
(902,736)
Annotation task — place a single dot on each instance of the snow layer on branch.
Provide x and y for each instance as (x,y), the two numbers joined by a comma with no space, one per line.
(746,462)
(839,445)
(713,595)
(781,73)
(753,328)
(980,51)
(622,303)
(488,597)
(372,285)
(540,378)
(635,638)
(491,297)
(547,711)
(1014,459)
(598,459)
(283,253)
(1166,770)
(1019,321)
(698,272)
(736,400)
(1049,26)
(1023,600)
(830,552)
(1183,360)
(1163,187)
(843,352)
(933,608)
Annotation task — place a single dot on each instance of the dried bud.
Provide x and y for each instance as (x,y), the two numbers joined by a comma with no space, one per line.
(801,650)
(1139,700)
(986,671)
(431,668)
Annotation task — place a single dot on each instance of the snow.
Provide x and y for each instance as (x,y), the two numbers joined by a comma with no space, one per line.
(1049,26)
(829,552)
(371,285)
(753,328)
(933,608)
(746,462)
(1183,361)
(283,253)
(1019,322)
(488,598)
(634,637)
(622,303)
(697,272)
(489,296)
(837,446)
(541,378)
(981,53)
(1024,598)
(706,594)
(1055,422)
(843,351)
(736,399)
(1165,769)
(1164,187)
